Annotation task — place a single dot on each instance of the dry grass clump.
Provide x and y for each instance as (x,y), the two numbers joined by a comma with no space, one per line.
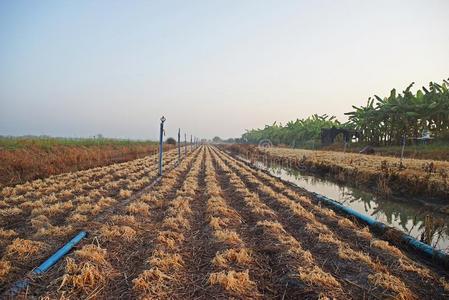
(346,223)
(409,266)
(315,227)
(125,194)
(271,224)
(7,234)
(77,218)
(256,205)
(240,256)
(82,199)
(166,261)
(66,193)
(106,201)
(113,232)
(152,199)
(92,253)
(139,208)
(51,230)
(21,249)
(263,211)
(180,204)
(444,283)
(238,282)
(364,233)
(91,209)
(149,281)
(170,239)
(316,276)
(217,223)
(29,205)
(7,191)
(384,245)
(83,277)
(328,238)
(123,220)
(5,267)
(89,270)
(391,283)
(345,252)
(53,210)
(10,212)
(177,223)
(217,206)
(328,212)
(3,204)
(228,237)
(39,222)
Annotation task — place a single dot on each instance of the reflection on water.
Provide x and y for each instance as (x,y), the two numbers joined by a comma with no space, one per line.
(408,216)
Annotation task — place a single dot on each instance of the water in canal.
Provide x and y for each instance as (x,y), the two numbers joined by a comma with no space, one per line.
(404,214)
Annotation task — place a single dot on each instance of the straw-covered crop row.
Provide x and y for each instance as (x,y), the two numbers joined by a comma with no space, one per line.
(165,264)
(303,220)
(212,227)
(233,258)
(42,224)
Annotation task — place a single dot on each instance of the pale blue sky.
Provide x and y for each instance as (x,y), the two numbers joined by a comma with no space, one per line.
(77,68)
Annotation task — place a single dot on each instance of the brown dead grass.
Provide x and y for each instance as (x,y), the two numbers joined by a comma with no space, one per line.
(238,282)
(410,266)
(240,256)
(125,194)
(89,270)
(123,220)
(149,280)
(178,223)
(7,234)
(92,253)
(166,261)
(77,218)
(114,232)
(316,276)
(347,253)
(228,237)
(391,283)
(5,267)
(86,208)
(139,208)
(51,230)
(10,212)
(83,277)
(217,223)
(170,239)
(384,245)
(346,223)
(39,222)
(22,249)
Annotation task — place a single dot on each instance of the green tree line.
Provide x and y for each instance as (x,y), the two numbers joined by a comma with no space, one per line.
(383,121)
(302,132)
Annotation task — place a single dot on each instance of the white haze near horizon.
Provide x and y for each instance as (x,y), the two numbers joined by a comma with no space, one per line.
(79,68)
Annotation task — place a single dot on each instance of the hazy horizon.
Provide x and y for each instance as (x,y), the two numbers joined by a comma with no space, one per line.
(213,68)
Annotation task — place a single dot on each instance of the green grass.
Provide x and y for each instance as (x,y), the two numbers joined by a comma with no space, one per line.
(44,142)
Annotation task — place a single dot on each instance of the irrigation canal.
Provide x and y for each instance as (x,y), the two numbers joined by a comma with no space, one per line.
(407,215)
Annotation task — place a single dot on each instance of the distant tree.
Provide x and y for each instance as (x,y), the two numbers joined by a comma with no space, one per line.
(170,141)
(216,139)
